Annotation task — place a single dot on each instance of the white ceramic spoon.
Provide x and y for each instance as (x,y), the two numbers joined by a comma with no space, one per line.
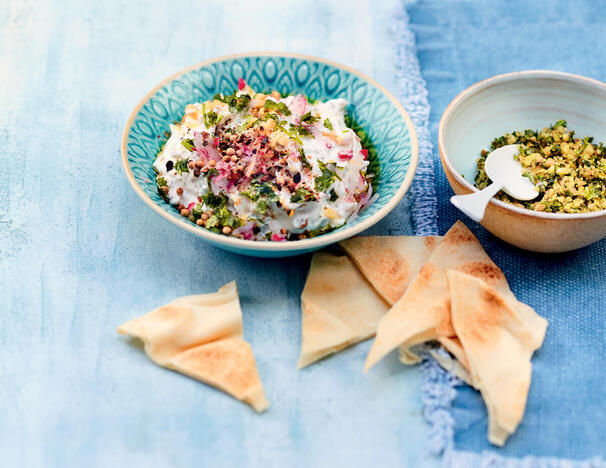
(506,174)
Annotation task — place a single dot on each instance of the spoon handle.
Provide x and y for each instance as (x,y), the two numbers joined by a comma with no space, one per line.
(474,204)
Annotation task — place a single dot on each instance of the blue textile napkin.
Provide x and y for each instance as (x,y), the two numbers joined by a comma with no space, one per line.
(458,44)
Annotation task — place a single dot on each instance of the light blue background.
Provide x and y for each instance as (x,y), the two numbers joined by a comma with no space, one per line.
(79,254)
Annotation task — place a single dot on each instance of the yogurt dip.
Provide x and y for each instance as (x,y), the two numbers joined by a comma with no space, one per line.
(265,167)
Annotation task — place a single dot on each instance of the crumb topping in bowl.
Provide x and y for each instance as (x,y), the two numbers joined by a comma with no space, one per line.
(569,172)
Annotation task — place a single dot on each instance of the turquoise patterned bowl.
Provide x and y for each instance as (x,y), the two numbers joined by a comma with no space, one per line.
(372,107)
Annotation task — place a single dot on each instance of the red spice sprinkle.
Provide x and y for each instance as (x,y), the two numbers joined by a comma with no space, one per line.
(241,84)
(364,153)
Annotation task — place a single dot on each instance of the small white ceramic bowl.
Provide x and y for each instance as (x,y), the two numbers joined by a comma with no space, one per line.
(517,101)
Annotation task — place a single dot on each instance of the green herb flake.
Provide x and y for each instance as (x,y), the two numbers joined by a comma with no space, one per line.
(292,136)
(328,124)
(304,160)
(197,210)
(226,218)
(301,195)
(161,182)
(277,106)
(326,179)
(212,223)
(214,118)
(189,144)
(234,101)
(309,119)
(262,206)
(248,122)
(204,116)
(214,201)
(257,191)
(300,130)
(181,165)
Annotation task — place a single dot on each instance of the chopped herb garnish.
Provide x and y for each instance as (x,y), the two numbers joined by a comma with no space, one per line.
(226,218)
(300,130)
(320,230)
(303,158)
(277,106)
(181,165)
(301,195)
(328,124)
(249,121)
(189,144)
(333,195)
(213,118)
(211,173)
(309,119)
(214,201)
(262,206)
(256,191)
(205,117)
(212,223)
(280,126)
(324,181)
(197,210)
(161,182)
(234,101)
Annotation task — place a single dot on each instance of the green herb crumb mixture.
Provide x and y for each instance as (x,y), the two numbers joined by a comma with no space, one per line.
(569,172)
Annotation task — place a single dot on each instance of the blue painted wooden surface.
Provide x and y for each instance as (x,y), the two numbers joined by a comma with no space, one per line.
(79,254)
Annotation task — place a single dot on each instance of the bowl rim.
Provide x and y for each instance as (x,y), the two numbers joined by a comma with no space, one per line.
(303,244)
(500,79)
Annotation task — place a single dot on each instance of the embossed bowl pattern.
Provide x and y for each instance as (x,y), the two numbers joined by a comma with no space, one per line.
(380,116)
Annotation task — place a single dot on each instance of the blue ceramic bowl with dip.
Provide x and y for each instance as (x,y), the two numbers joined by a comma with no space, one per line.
(372,107)
(517,101)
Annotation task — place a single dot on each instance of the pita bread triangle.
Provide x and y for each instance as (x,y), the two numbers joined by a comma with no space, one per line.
(389,263)
(339,307)
(423,312)
(201,336)
(499,343)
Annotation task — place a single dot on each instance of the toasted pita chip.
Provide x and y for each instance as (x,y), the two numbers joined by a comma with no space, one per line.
(339,307)
(408,357)
(423,312)
(453,345)
(499,342)
(453,366)
(201,336)
(389,263)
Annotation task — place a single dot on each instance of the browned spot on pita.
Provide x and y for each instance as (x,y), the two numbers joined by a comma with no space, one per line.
(488,272)
(431,242)
(459,234)
(228,364)
(427,272)
(201,336)
(389,262)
